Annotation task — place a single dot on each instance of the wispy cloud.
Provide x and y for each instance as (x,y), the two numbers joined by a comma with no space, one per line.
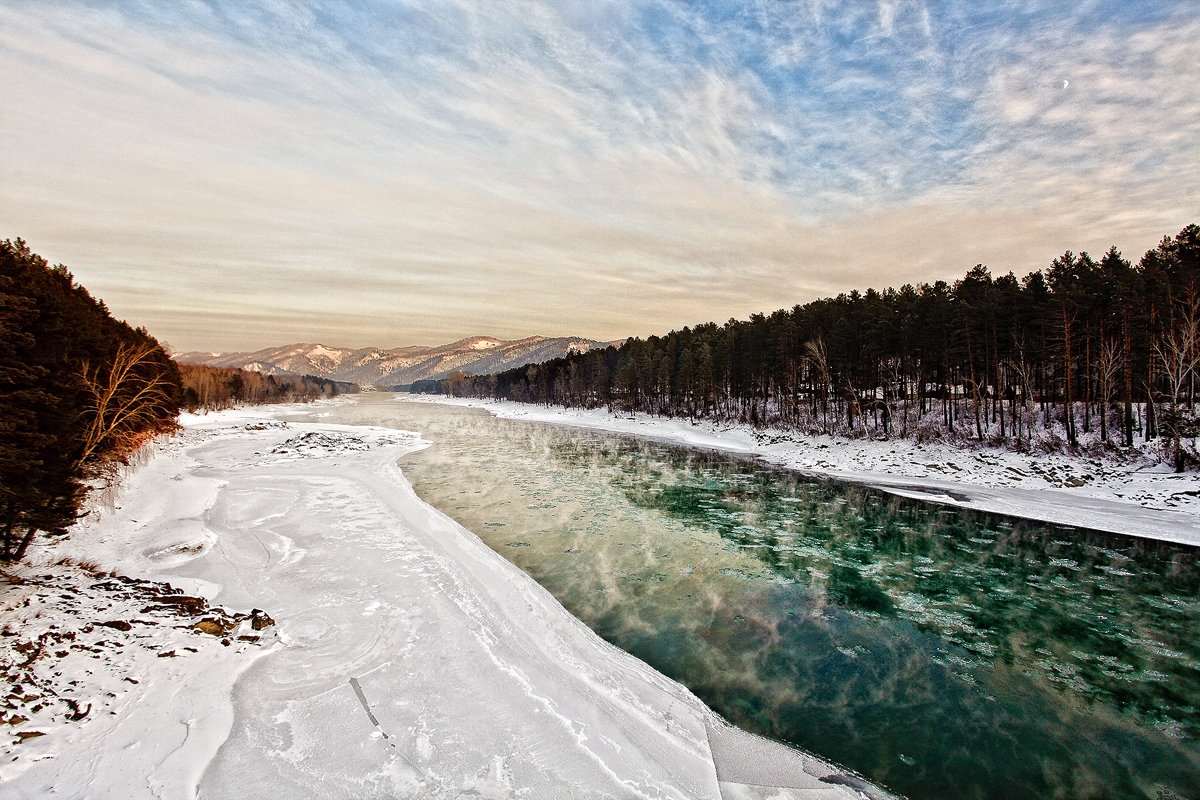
(235,174)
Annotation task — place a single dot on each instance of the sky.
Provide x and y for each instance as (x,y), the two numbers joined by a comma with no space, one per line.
(242,174)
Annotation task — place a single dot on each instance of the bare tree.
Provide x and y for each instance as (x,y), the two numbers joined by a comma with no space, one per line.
(1068,323)
(1023,368)
(818,358)
(894,369)
(126,401)
(1108,367)
(1178,352)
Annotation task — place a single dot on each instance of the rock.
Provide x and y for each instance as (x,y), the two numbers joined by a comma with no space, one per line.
(118,624)
(211,627)
(184,604)
(260,620)
(76,712)
(23,735)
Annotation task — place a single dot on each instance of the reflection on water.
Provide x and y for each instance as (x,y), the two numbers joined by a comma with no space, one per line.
(945,654)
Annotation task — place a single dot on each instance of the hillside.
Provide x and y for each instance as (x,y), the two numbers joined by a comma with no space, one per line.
(1087,353)
(373,366)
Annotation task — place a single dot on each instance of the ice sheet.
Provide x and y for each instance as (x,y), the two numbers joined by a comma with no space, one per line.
(412,660)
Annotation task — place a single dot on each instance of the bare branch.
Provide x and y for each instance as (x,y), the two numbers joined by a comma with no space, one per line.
(124,404)
(1178,348)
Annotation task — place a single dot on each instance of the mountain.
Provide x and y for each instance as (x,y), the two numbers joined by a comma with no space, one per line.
(373,366)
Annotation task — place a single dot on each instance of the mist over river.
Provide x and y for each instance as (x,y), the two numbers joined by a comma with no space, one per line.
(942,653)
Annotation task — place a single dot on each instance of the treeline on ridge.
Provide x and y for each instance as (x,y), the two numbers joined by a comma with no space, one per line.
(79,392)
(1098,351)
(213,388)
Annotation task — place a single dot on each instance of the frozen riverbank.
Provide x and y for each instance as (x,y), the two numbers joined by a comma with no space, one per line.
(1137,497)
(408,659)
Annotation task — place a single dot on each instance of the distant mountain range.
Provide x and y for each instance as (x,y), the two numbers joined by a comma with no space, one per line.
(374,366)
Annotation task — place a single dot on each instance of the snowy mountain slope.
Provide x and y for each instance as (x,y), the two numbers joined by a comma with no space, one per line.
(373,366)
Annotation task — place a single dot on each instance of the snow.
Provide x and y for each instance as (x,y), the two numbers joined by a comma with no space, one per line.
(1137,497)
(97,659)
(407,659)
(320,351)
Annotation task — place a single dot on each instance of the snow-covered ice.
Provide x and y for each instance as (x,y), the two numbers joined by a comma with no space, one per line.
(407,659)
(1136,496)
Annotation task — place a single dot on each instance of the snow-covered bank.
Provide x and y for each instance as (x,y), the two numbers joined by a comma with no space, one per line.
(104,671)
(1138,497)
(411,660)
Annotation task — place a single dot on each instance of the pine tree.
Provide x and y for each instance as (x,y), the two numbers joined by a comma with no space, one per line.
(57,346)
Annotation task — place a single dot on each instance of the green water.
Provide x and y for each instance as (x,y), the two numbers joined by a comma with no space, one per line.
(940,653)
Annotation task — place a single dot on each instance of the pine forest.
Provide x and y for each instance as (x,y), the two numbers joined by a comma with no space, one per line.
(1088,351)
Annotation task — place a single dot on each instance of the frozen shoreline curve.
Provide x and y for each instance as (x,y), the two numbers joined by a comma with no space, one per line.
(1136,498)
(408,660)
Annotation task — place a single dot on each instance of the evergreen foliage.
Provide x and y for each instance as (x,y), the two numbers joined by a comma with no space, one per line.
(79,392)
(1093,347)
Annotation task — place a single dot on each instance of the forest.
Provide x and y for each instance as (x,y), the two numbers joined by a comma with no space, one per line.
(80,392)
(214,388)
(1086,352)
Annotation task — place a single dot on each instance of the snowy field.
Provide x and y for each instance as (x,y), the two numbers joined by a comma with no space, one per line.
(406,659)
(1136,496)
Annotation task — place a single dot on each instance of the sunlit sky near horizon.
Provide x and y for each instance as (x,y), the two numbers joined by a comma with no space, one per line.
(235,175)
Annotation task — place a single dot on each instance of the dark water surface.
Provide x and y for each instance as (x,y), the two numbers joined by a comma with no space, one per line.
(941,653)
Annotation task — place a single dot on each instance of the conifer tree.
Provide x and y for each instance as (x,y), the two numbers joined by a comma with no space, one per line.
(57,344)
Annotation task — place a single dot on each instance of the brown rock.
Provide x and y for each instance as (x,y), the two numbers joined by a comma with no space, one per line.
(118,624)
(184,604)
(260,620)
(77,713)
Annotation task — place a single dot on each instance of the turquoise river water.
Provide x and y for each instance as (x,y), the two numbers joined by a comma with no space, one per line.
(940,653)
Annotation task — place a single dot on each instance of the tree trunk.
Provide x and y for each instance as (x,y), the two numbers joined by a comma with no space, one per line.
(1151,417)
(1068,397)
(1087,384)
(25,540)
(6,541)
(1128,422)
(974,386)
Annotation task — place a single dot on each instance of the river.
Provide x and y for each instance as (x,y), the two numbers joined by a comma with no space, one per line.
(941,653)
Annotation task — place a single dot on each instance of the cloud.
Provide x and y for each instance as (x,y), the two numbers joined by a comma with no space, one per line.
(1117,144)
(396,172)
